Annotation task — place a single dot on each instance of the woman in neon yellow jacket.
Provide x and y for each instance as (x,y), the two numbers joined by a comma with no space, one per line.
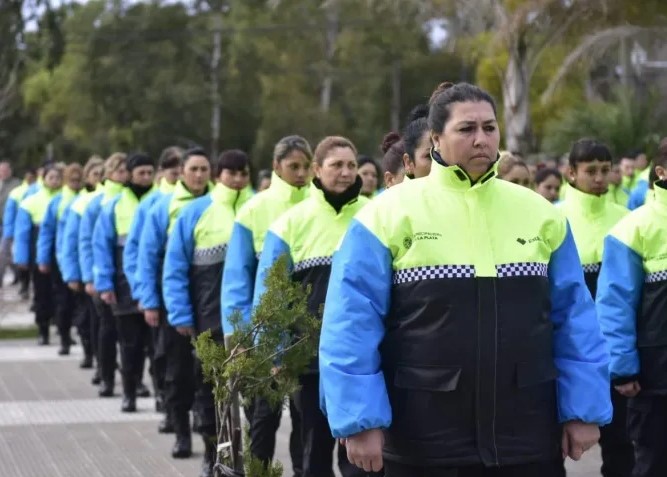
(309,233)
(26,230)
(458,334)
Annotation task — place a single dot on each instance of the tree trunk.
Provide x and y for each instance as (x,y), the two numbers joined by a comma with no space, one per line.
(216,102)
(396,95)
(516,101)
(332,20)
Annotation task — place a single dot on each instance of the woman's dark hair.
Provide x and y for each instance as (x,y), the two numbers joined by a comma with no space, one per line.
(415,127)
(363,159)
(545,173)
(588,150)
(171,157)
(233,159)
(447,93)
(289,144)
(329,143)
(393,148)
(195,151)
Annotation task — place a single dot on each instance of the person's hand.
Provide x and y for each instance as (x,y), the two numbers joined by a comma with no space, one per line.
(108,297)
(185,330)
(90,289)
(629,389)
(152,317)
(74,286)
(578,437)
(44,269)
(365,449)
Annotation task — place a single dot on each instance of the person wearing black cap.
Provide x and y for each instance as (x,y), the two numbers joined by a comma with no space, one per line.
(110,280)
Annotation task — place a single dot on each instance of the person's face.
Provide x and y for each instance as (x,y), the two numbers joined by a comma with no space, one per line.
(74,181)
(338,170)
(615,175)
(591,177)
(264,184)
(518,175)
(30,178)
(95,175)
(549,188)
(236,180)
(470,138)
(369,179)
(421,165)
(295,169)
(627,167)
(5,171)
(532,170)
(171,175)
(641,162)
(143,176)
(120,175)
(53,179)
(196,174)
(391,180)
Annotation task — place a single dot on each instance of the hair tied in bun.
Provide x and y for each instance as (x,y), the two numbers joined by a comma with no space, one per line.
(389,140)
(442,87)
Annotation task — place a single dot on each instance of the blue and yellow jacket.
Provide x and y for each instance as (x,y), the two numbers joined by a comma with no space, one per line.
(131,251)
(12,206)
(194,260)
(109,237)
(158,225)
(69,267)
(591,218)
(28,221)
(246,243)
(110,189)
(458,320)
(616,194)
(50,239)
(638,195)
(632,295)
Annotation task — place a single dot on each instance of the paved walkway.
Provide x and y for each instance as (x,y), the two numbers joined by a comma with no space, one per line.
(52,422)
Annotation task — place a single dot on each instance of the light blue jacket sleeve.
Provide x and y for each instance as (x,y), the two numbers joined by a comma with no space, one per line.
(274,248)
(238,278)
(638,196)
(70,248)
(86,238)
(580,352)
(177,263)
(131,250)
(22,237)
(353,393)
(151,250)
(620,287)
(47,232)
(60,236)
(9,218)
(104,248)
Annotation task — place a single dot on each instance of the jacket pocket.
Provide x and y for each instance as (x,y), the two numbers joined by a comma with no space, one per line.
(432,378)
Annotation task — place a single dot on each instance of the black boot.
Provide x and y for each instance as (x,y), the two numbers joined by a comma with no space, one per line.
(143,391)
(129,404)
(210,445)
(43,339)
(65,342)
(166,425)
(106,389)
(129,395)
(183,445)
(97,377)
(86,362)
(159,403)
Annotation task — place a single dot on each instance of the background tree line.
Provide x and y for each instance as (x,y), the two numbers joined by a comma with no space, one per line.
(83,78)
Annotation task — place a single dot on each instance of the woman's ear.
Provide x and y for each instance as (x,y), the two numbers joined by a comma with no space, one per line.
(407,163)
(661,172)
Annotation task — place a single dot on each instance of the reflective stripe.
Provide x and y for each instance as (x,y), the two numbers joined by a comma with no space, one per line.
(656,277)
(311,263)
(524,269)
(433,272)
(591,267)
(209,256)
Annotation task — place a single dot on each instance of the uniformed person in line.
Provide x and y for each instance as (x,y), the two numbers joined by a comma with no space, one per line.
(309,233)
(193,265)
(459,337)
(591,216)
(292,158)
(110,281)
(417,144)
(632,309)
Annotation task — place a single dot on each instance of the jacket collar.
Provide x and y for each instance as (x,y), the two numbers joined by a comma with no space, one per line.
(285,191)
(338,202)
(222,194)
(182,193)
(659,201)
(165,187)
(112,187)
(454,177)
(589,204)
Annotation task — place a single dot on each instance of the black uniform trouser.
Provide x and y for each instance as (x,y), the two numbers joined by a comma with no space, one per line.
(64,305)
(542,469)
(264,423)
(618,454)
(135,341)
(647,427)
(204,404)
(318,443)
(179,378)
(24,279)
(107,338)
(81,319)
(159,359)
(43,300)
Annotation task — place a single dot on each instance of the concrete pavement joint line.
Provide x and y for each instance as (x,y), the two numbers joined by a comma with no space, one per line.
(83,411)
(35,353)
